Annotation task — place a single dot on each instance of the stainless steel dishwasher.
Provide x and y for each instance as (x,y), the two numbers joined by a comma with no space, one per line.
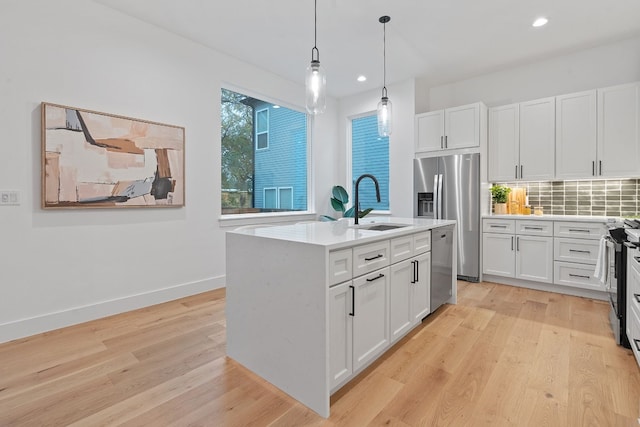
(441,265)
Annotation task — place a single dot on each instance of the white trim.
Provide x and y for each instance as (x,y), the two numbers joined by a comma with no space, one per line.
(237,220)
(258,133)
(72,316)
(280,199)
(264,197)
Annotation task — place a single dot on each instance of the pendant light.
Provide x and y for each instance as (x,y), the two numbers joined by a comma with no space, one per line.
(315,80)
(384,106)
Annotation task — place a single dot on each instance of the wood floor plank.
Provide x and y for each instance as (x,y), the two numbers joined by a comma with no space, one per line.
(504,356)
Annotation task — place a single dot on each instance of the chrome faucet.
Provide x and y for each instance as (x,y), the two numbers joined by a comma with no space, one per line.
(357,206)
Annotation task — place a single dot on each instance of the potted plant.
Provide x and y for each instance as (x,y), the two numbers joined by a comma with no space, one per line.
(339,201)
(499,194)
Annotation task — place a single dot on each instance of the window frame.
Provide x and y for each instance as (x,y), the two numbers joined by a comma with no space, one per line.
(264,132)
(236,220)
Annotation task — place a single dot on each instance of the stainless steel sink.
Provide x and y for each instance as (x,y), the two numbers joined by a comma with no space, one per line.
(381,227)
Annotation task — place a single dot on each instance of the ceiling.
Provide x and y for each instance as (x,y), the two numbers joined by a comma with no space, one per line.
(441,41)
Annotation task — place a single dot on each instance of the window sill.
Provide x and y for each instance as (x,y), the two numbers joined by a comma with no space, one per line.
(265,218)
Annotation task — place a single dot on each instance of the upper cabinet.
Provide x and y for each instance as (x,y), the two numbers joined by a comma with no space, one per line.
(522,141)
(576,151)
(449,129)
(619,131)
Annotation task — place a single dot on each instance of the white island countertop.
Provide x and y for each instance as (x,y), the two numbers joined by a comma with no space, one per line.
(342,233)
(545,217)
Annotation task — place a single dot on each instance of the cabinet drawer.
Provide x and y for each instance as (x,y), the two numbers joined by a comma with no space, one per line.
(367,258)
(340,266)
(402,248)
(534,228)
(576,250)
(422,242)
(633,283)
(499,226)
(633,333)
(579,230)
(576,275)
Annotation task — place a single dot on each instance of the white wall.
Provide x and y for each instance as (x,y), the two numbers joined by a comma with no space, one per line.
(401,142)
(601,66)
(64,267)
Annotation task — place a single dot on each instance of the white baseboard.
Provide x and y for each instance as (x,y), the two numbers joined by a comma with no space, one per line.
(48,322)
(549,287)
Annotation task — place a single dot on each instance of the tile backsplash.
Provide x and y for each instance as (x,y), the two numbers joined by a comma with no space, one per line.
(594,198)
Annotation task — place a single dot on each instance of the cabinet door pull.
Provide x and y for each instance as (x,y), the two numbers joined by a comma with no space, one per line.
(578,230)
(441,141)
(521,171)
(375,257)
(417,269)
(497,226)
(593,168)
(600,167)
(353,300)
(446,141)
(579,275)
(637,343)
(637,297)
(379,276)
(518,243)
(516,171)
(532,228)
(579,251)
(511,242)
(413,279)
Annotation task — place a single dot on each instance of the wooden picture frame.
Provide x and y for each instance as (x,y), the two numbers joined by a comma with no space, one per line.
(99,160)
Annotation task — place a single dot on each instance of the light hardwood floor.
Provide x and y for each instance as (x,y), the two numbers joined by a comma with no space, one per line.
(504,356)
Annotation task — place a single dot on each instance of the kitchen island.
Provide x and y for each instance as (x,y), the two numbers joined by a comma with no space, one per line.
(310,305)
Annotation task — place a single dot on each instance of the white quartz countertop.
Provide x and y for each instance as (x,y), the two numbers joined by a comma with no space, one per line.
(577,218)
(342,233)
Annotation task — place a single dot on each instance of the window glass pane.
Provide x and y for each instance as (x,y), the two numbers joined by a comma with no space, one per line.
(270,198)
(370,154)
(263,120)
(263,141)
(247,169)
(286,198)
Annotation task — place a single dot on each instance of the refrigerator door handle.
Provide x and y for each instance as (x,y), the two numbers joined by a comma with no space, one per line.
(440,196)
(435,196)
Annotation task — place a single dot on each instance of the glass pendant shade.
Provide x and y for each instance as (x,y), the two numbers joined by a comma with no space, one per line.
(384,117)
(316,93)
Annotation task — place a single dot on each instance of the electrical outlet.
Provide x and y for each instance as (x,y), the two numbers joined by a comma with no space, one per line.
(8,198)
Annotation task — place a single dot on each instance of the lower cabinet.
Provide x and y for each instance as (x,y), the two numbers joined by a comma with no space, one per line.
(409,298)
(370,311)
(518,255)
(633,301)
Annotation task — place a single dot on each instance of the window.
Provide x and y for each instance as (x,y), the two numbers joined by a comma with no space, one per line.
(262,129)
(264,156)
(369,154)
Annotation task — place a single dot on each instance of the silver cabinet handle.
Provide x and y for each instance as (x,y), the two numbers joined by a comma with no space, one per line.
(441,141)
(579,275)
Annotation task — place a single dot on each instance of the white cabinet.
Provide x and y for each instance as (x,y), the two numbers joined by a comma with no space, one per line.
(537,139)
(633,302)
(519,249)
(504,140)
(522,141)
(340,333)
(576,151)
(410,294)
(619,131)
(576,247)
(452,128)
(370,316)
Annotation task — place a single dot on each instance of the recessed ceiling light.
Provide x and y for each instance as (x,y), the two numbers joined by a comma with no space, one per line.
(362,78)
(540,22)
(276,106)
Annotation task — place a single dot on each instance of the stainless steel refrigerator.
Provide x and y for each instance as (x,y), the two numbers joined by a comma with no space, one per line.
(448,187)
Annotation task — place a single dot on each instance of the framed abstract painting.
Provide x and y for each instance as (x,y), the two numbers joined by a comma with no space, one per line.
(99,160)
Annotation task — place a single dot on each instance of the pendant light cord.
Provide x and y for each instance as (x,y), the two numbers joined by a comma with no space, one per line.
(384,20)
(315,34)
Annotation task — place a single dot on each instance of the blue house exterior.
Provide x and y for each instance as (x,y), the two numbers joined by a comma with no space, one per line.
(280,179)
(370,154)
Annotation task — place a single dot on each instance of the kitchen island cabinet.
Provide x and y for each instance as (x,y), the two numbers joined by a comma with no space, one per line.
(299,319)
